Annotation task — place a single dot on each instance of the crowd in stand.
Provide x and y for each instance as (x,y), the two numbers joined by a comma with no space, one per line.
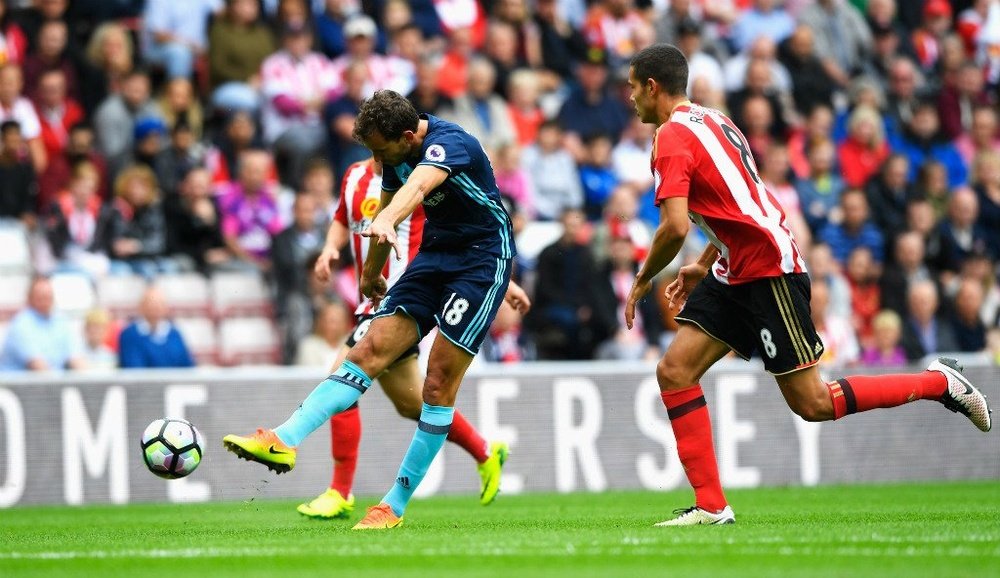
(155,137)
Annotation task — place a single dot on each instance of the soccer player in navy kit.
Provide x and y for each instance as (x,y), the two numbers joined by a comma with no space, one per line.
(457,282)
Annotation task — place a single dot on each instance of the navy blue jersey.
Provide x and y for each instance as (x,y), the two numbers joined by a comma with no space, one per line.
(465,211)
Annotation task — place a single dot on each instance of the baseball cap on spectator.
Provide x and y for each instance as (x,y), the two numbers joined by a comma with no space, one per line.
(360,26)
(934,8)
(597,56)
(149,126)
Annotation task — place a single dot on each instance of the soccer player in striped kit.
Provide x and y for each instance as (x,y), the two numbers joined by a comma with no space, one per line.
(360,195)
(748,292)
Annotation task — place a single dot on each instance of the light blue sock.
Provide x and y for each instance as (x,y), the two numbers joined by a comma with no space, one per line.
(333,395)
(432,431)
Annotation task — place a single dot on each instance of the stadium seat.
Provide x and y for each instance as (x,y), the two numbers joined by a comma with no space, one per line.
(248,340)
(121,294)
(187,294)
(201,339)
(74,293)
(13,294)
(16,254)
(240,294)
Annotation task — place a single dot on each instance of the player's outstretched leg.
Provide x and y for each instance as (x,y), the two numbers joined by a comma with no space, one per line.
(276,448)
(345,437)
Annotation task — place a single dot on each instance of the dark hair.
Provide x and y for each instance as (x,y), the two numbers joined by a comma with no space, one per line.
(665,64)
(9,126)
(387,113)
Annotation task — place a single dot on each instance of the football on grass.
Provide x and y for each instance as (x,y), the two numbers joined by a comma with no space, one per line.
(171,448)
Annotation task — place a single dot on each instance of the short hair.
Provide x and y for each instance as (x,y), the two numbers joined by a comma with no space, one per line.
(10,126)
(665,64)
(388,113)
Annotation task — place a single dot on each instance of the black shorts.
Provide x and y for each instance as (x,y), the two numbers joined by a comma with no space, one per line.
(365,320)
(769,316)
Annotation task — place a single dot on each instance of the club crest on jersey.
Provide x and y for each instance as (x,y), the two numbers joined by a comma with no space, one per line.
(435,153)
(369,207)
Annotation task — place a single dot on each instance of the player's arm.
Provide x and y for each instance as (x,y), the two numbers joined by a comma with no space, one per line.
(336,239)
(382,231)
(372,283)
(667,242)
(689,276)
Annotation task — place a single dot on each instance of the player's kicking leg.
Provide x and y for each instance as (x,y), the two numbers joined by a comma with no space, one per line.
(388,337)
(445,370)
(402,385)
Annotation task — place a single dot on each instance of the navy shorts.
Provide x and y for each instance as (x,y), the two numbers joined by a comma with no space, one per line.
(459,292)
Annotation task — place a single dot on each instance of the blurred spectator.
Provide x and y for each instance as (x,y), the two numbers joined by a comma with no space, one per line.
(14,106)
(152,341)
(734,70)
(250,216)
(79,225)
(758,125)
(621,219)
(924,332)
(842,37)
(291,250)
(907,267)
(970,332)
(503,342)
(561,43)
(906,85)
(80,146)
(179,103)
(318,183)
(983,136)
(932,184)
(96,354)
(331,327)
(553,172)
(56,112)
(763,18)
(525,113)
(194,229)
(296,83)
(114,121)
(888,194)
(759,84)
(961,235)
(811,84)
(148,141)
(454,67)
(632,153)
(612,26)
(407,43)
(775,172)
(426,96)
(927,37)
(567,317)
(885,350)
(110,54)
(591,108)
(823,268)
(866,300)
(339,116)
(138,229)
(39,338)
(890,40)
(921,219)
(922,141)
(986,180)
(865,149)
(13,41)
(481,112)
(855,230)
(239,134)
(501,49)
(818,128)
(50,55)
(615,281)
(820,192)
(18,189)
(515,16)
(597,176)
(840,346)
(958,100)
(512,180)
(175,33)
(238,44)
(700,64)
(183,154)
(36,13)
(330,27)
(384,72)
(982,270)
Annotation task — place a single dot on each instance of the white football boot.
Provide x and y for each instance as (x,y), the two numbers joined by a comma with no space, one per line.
(695,516)
(961,396)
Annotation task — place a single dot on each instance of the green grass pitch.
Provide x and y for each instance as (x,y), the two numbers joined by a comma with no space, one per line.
(901,530)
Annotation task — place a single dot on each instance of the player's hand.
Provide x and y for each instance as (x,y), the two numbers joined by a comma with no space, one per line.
(639,290)
(517,298)
(324,263)
(687,278)
(374,288)
(382,233)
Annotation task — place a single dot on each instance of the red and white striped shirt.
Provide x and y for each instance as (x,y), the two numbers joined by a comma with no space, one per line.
(701,155)
(360,196)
